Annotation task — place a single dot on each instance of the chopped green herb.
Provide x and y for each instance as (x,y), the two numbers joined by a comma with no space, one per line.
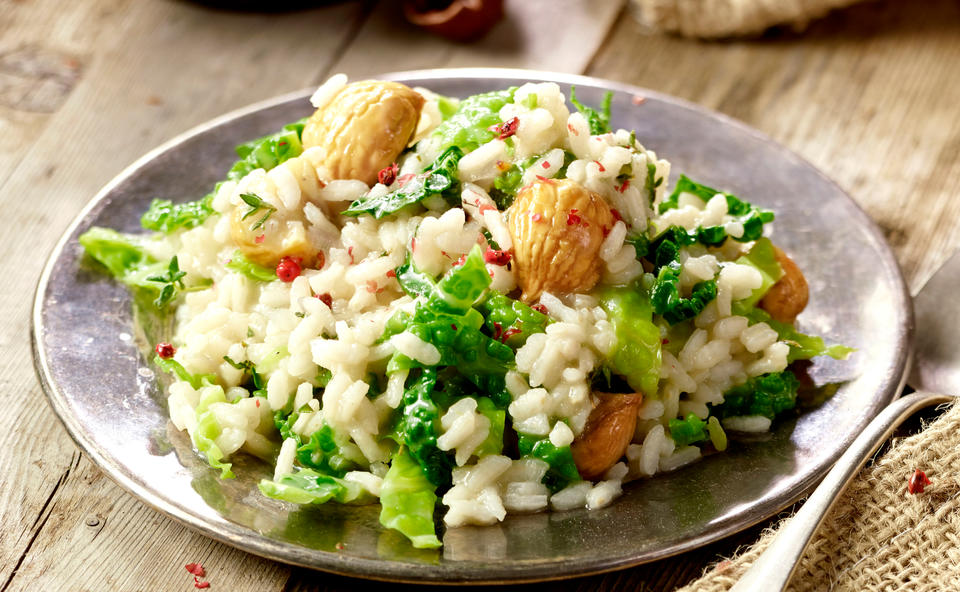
(493,244)
(171,280)
(653,182)
(247,366)
(256,204)
(599,121)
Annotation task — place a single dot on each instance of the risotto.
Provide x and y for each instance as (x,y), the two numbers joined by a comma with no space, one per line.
(494,302)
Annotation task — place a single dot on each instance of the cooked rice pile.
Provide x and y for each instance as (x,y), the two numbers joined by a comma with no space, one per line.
(329,362)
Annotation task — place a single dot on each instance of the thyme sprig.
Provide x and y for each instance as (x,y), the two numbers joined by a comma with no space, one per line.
(256,204)
(171,280)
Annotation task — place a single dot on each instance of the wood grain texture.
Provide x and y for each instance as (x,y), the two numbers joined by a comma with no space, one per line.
(41,61)
(869,95)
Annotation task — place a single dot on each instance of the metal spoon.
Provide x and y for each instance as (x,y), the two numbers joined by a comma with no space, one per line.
(936,368)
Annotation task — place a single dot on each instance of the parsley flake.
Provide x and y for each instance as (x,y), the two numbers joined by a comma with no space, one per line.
(256,204)
(171,280)
(248,366)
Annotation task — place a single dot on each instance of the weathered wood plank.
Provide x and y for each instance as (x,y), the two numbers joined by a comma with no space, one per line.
(41,60)
(98,538)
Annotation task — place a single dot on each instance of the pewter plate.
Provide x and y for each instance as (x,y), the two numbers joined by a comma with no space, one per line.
(92,358)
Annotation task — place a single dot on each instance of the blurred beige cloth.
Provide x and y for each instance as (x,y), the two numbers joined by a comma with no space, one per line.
(729,18)
(878,537)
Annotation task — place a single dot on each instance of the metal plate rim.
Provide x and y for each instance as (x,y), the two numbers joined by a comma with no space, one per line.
(239,536)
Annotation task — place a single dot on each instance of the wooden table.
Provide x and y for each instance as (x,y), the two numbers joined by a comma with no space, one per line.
(870,95)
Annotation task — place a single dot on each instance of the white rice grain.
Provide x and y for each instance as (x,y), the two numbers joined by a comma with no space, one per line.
(481,164)
(344,190)
(279,387)
(758,337)
(415,348)
(571,497)
(682,456)
(394,392)
(525,496)
(287,188)
(774,360)
(304,395)
(561,435)
(729,328)
(285,459)
(611,245)
(649,454)
(603,494)
(747,423)
(372,483)
(463,429)
(616,473)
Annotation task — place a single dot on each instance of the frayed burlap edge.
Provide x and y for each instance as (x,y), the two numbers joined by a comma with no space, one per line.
(730,18)
(879,537)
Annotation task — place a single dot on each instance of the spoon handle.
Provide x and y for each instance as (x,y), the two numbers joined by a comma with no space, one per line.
(772,570)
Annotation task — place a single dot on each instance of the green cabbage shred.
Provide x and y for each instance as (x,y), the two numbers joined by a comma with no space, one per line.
(407,501)
(263,153)
(440,178)
(469,126)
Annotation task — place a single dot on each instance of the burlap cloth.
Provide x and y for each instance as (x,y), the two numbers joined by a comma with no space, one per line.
(727,18)
(879,537)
